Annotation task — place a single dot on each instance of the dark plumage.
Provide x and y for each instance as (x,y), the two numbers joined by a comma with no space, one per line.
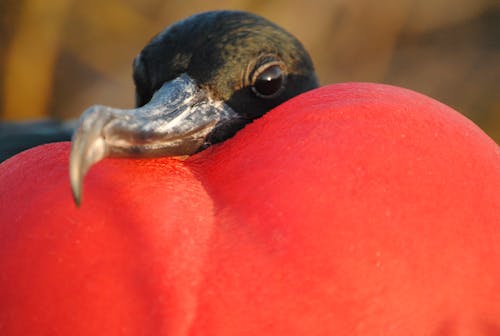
(197,83)
(221,50)
(16,137)
(230,54)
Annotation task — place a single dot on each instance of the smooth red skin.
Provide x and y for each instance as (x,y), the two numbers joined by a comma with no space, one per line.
(354,209)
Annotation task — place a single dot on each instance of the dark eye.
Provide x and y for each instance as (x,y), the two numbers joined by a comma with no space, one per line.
(268,80)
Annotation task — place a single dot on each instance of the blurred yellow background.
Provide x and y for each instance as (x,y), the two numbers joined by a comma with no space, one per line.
(57,57)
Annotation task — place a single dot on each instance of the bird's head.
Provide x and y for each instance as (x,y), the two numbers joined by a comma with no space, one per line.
(197,83)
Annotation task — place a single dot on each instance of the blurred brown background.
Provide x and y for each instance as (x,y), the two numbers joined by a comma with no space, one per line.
(59,56)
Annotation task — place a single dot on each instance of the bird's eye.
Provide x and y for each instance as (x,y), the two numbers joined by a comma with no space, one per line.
(268,80)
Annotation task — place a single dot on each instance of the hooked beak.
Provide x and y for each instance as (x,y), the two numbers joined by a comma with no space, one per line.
(177,121)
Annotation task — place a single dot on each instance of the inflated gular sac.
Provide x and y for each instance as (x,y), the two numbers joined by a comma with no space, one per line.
(353,209)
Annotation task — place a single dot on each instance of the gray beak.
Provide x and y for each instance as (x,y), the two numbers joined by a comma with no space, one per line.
(175,122)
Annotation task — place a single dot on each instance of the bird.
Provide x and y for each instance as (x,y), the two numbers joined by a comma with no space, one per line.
(350,209)
(197,83)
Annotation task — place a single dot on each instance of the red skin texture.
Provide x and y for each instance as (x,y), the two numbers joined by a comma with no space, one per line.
(354,209)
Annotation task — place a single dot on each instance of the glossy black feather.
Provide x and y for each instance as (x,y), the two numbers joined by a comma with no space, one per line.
(221,51)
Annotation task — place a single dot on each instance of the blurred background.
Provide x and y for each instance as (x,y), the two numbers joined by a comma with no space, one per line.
(58,57)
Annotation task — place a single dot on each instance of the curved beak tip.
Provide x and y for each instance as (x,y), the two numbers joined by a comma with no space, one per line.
(77,199)
(88,147)
(175,122)
(75,178)
(76,191)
